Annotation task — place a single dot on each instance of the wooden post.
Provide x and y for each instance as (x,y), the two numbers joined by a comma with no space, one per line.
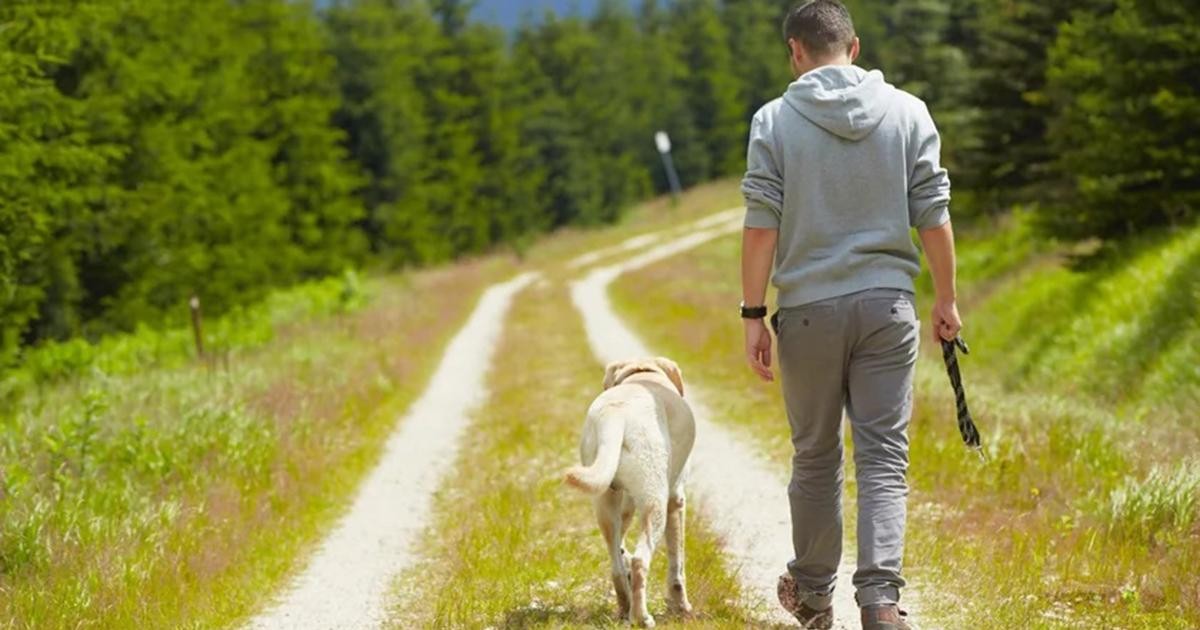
(197,330)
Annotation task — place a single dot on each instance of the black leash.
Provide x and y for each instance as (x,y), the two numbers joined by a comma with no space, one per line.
(966,426)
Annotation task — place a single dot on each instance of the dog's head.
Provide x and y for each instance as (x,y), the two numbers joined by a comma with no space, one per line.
(618,371)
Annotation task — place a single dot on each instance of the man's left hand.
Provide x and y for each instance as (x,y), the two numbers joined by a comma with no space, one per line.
(758,348)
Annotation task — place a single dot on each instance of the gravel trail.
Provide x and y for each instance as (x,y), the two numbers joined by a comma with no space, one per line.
(346,582)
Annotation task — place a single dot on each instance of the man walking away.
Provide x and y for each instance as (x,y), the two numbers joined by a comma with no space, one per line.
(838,171)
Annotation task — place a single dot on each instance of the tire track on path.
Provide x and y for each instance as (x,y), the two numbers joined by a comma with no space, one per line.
(346,582)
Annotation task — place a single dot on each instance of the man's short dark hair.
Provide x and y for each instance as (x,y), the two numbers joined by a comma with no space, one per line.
(822,27)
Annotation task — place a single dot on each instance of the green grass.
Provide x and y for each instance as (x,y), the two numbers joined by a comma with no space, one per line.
(510,545)
(1083,379)
(1120,327)
(139,487)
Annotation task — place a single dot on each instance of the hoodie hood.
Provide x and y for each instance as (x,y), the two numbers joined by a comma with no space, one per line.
(846,101)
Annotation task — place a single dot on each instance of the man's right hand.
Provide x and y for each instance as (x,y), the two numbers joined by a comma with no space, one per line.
(946,322)
(758,348)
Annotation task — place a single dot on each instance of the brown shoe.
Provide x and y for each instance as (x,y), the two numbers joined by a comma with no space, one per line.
(789,598)
(884,617)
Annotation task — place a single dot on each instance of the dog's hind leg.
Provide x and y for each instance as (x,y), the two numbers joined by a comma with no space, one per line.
(609,514)
(677,599)
(653,519)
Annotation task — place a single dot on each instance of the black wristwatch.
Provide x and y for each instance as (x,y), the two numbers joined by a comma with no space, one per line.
(753,312)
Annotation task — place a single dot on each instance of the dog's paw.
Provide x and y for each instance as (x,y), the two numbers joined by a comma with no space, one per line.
(677,600)
(683,609)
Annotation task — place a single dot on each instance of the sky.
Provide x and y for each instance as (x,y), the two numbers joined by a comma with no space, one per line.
(507,13)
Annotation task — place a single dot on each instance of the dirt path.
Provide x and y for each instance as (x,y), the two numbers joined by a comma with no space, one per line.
(743,497)
(346,581)
(642,241)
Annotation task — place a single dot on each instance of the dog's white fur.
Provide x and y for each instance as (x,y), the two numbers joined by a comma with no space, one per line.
(636,442)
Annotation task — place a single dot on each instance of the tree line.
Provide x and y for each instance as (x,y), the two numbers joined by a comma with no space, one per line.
(1087,111)
(157,149)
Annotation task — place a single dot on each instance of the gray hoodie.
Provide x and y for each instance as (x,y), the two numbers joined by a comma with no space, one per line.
(843,164)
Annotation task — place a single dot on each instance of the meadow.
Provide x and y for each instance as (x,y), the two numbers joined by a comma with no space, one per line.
(140,485)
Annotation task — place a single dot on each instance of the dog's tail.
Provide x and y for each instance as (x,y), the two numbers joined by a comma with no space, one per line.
(596,478)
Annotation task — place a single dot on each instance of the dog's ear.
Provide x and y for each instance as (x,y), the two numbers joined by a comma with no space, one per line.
(671,369)
(610,373)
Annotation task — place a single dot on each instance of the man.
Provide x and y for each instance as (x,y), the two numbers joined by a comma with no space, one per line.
(838,171)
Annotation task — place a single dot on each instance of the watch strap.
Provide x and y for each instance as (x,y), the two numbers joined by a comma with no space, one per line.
(753,312)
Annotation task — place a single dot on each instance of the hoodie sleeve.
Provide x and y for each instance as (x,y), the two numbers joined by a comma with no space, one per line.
(762,186)
(928,183)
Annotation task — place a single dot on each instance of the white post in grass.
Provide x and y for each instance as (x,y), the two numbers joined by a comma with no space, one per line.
(197,330)
(663,142)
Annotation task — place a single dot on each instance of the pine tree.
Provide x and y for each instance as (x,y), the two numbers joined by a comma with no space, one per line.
(710,85)
(756,42)
(870,24)
(551,58)
(1126,124)
(1010,162)
(193,206)
(379,46)
(669,109)
(298,94)
(922,56)
(49,172)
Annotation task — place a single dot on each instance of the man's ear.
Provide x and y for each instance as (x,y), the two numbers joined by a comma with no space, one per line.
(854,50)
(671,369)
(795,50)
(610,373)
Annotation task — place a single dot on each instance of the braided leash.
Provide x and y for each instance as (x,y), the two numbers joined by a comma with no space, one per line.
(966,426)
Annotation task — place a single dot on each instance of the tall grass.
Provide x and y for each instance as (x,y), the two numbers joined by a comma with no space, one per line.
(1120,325)
(242,329)
(1165,503)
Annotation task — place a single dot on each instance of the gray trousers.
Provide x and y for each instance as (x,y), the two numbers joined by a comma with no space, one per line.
(854,352)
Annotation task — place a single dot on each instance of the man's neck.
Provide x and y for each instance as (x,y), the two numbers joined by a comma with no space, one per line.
(839,60)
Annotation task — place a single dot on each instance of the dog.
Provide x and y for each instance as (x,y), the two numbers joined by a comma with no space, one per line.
(637,439)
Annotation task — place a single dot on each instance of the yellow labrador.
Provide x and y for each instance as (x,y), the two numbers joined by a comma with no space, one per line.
(636,442)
